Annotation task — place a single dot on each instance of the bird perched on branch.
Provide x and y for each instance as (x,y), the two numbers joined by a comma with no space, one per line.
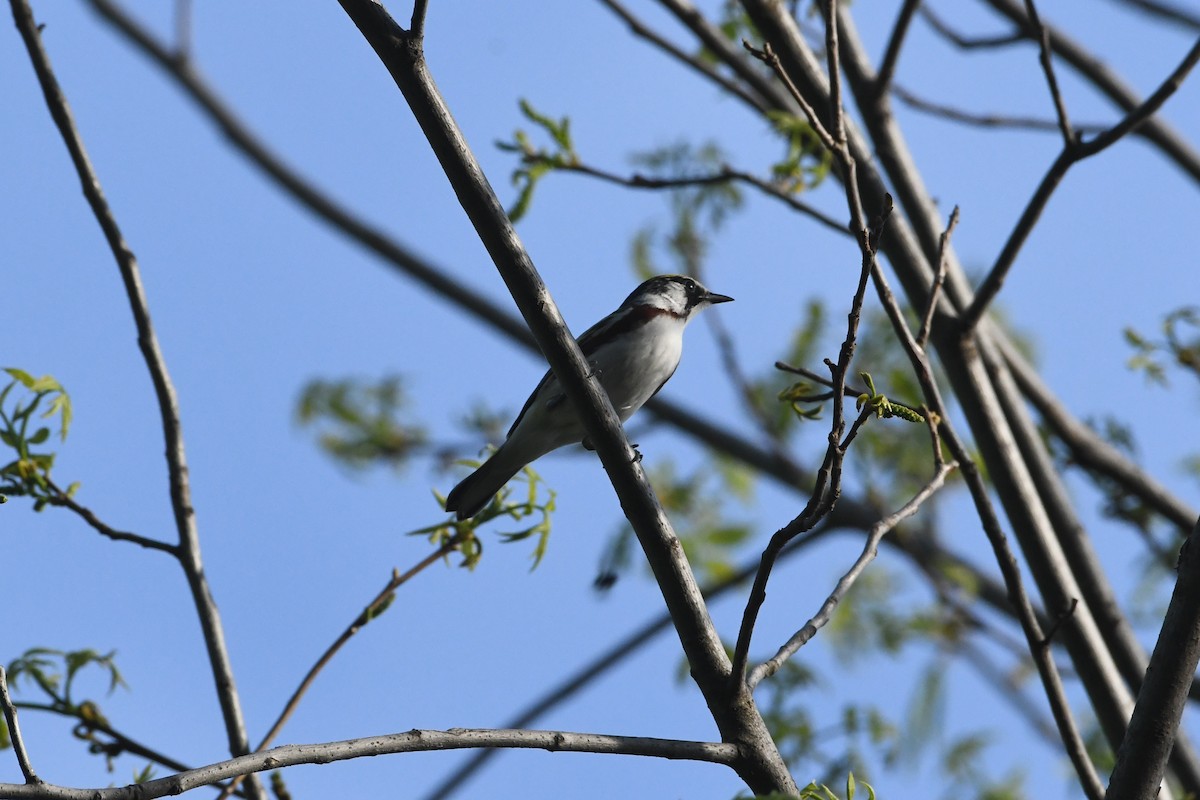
(634,351)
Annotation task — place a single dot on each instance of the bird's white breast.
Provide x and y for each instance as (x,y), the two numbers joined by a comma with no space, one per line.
(634,367)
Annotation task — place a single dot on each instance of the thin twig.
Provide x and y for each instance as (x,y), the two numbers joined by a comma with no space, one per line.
(61,498)
(1009,568)
(1046,58)
(14,731)
(939,277)
(373,608)
(1007,121)
(183,30)
(968,42)
(644,31)
(1093,69)
(188,551)
(1071,154)
(869,551)
(1167,11)
(725,174)
(828,486)
(887,68)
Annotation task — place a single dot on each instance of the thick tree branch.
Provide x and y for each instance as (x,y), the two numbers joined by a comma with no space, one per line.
(738,720)
(1142,757)
(414,741)
(188,549)
(1091,451)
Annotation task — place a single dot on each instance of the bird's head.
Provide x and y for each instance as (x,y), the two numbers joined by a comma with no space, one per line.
(678,295)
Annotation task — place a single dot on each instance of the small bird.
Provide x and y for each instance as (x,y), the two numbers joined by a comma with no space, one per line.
(634,351)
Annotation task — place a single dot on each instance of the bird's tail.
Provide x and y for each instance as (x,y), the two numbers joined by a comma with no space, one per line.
(473,493)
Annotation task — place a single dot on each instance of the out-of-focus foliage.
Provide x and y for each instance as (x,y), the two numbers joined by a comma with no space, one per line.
(1180,346)
(359,422)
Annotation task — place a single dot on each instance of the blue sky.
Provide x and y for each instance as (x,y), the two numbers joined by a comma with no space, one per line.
(252,299)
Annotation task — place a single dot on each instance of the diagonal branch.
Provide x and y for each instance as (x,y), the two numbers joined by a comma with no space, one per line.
(1095,71)
(1091,451)
(869,551)
(640,29)
(1142,757)
(61,498)
(891,56)
(984,120)
(1073,152)
(373,609)
(401,53)
(429,275)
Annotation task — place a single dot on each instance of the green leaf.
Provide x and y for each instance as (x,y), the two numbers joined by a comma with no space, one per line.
(40,436)
(22,376)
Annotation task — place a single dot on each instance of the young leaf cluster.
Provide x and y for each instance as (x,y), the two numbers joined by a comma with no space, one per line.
(537,162)
(530,507)
(22,431)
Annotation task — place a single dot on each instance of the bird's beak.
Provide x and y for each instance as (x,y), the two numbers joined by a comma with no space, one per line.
(714,298)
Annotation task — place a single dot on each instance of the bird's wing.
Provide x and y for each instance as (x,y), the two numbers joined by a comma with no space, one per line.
(589,341)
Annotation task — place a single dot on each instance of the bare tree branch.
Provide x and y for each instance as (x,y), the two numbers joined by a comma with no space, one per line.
(914,101)
(14,732)
(760,764)
(1167,11)
(61,498)
(1094,70)
(640,29)
(188,549)
(1142,757)
(377,605)
(1073,152)
(429,275)
(1046,59)
(869,551)
(887,68)
(963,42)
(939,277)
(1090,451)
(414,741)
